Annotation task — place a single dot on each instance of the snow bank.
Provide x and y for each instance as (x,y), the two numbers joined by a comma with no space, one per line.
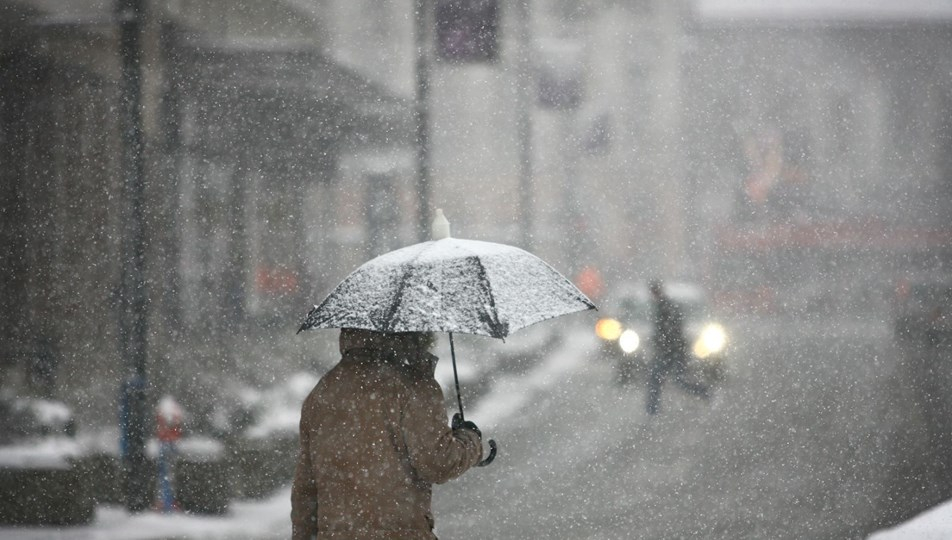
(45,453)
(933,524)
(248,519)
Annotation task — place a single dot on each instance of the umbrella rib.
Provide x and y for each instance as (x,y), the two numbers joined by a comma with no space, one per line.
(398,295)
(497,328)
(308,323)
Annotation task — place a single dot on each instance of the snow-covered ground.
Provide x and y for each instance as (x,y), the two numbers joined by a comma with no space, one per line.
(268,517)
(246,519)
(933,524)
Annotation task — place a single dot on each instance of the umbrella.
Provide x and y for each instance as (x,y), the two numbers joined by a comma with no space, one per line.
(449,285)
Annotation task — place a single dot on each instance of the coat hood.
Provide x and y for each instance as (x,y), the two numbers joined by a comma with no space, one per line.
(408,350)
(358,338)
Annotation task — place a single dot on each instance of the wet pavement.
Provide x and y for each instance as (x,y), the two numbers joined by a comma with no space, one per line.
(807,439)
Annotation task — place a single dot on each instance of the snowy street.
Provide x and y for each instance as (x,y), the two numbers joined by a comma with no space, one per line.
(798,444)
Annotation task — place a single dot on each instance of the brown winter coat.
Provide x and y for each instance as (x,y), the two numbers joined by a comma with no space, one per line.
(374,439)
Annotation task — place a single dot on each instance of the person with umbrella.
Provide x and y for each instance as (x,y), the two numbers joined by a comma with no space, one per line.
(376,429)
(449,285)
(374,439)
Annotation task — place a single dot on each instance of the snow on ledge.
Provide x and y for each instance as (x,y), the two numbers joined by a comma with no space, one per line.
(46,453)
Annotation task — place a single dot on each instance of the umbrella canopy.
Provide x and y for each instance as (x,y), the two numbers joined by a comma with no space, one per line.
(449,285)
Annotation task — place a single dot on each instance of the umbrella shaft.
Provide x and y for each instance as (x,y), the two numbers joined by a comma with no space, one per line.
(459,398)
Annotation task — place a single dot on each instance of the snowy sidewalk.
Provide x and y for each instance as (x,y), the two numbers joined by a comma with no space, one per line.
(246,519)
(270,518)
(933,524)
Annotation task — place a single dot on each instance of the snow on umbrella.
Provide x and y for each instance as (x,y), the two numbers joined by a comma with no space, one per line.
(449,285)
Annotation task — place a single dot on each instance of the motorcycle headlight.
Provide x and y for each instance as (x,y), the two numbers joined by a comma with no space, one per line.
(629,341)
(608,329)
(712,340)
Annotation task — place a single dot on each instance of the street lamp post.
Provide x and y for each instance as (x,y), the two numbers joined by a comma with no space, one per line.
(421,22)
(132,289)
(524,103)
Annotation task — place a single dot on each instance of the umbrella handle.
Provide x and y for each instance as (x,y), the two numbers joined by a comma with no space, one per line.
(492,454)
(459,401)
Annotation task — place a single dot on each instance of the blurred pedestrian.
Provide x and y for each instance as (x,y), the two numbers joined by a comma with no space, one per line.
(374,439)
(670,349)
(168,430)
(42,368)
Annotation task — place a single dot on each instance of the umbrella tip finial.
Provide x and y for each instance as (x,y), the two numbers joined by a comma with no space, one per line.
(440,228)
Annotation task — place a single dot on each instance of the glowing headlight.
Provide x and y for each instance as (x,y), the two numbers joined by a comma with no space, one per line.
(609,329)
(629,341)
(712,340)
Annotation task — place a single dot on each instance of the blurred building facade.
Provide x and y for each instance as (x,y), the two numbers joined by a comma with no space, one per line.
(818,147)
(642,138)
(247,124)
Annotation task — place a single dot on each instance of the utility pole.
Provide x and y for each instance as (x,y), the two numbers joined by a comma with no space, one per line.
(524,103)
(670,150)
(422,21)
(133,299)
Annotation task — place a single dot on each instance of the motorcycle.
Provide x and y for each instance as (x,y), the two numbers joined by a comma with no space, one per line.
(626,339)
